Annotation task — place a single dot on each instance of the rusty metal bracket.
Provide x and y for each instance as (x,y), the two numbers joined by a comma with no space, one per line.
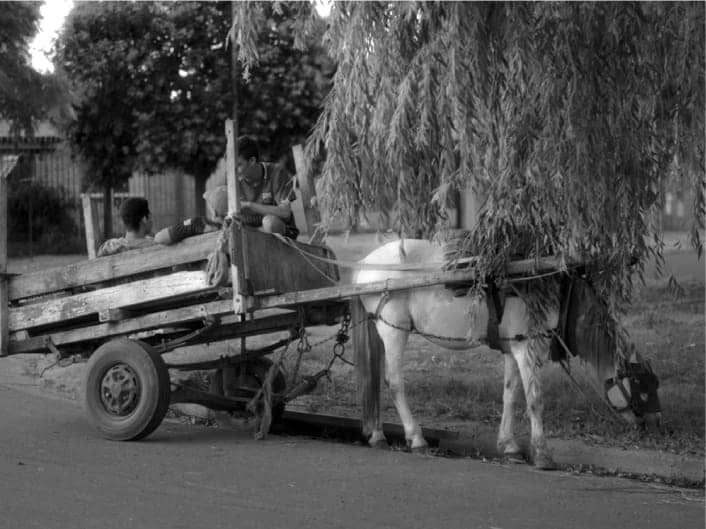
(209,323)
(49,344)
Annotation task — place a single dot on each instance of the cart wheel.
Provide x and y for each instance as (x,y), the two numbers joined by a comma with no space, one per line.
(126,389)
(251,375)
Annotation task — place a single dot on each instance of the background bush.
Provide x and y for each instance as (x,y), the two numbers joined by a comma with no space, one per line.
(41,220)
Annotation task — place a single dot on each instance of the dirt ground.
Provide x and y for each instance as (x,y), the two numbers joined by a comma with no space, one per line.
(450,389)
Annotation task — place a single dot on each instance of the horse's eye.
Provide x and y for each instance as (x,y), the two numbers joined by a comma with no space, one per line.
(644,397)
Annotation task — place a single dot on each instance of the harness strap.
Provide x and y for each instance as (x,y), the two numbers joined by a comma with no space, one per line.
(558,349)
(378,314)
(381,304)
(496,307)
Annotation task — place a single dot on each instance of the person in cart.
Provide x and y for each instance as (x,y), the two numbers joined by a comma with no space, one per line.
(135,214)
(266,193)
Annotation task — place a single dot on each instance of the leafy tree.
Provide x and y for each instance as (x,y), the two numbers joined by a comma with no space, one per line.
(108,52)
(25,94)
(155,86)
(564,117)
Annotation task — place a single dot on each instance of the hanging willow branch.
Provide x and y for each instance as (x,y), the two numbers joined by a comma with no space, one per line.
(567,119)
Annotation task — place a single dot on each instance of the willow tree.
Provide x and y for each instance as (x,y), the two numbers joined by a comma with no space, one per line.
(566,118)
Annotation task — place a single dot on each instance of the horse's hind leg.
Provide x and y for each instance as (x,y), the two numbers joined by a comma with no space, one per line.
(395,341)
(506,437)
(529,367)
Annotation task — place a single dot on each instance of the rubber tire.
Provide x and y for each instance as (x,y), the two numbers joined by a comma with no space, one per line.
(155,393)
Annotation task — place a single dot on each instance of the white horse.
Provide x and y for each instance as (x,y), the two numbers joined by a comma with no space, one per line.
(461,322)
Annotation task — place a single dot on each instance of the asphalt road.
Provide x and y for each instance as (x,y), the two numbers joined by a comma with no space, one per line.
(56,473)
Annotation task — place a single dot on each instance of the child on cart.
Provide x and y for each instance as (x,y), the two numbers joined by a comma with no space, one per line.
(266,194)
(135,214)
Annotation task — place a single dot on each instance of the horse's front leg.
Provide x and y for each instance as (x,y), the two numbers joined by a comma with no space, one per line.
(395,341)
(529,372)
(507,444)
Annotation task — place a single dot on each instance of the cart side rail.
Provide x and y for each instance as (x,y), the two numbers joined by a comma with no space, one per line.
(111,268)
(103,303)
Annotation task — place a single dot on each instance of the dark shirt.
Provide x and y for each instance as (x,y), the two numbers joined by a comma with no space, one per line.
(275,188)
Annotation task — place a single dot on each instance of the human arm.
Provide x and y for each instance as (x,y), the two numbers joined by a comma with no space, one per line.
(182,230)
(282,193)
(282,210)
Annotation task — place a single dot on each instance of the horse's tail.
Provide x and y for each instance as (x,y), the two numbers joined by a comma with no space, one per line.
(369,356)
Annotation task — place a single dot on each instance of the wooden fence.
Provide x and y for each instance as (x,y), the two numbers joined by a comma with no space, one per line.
(48,162)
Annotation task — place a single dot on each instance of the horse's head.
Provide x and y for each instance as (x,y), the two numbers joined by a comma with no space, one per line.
(633,392)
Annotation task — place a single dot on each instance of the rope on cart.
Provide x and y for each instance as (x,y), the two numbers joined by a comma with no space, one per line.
(261,404)
(408,267)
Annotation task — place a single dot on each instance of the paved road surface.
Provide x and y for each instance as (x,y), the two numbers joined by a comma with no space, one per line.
(56,473)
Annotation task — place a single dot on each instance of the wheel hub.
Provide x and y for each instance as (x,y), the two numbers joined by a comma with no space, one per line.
(120,390)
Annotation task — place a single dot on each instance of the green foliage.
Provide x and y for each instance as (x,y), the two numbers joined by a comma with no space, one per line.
(107,51)
(25,94)
(154,85)
(284,94)
(564,117)
(39,213)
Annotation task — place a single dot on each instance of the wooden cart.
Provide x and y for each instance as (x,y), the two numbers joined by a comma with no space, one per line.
(123,312)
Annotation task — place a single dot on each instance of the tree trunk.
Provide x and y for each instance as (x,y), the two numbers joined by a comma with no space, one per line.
(199,189)
(107,213)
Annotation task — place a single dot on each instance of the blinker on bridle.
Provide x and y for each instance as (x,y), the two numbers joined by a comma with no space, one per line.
(642,383)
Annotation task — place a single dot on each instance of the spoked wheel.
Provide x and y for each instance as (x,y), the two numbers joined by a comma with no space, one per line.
(251,376)
(126,389)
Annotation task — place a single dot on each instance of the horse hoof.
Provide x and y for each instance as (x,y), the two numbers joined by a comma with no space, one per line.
(516,458)
(380,444)
(544,462)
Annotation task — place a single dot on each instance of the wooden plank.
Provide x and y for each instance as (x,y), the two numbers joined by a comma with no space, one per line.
(107,330)
(516,268)
(4,312)
(223,309)
(113,315)
(308,196)
(287,269)
(92,228)
(375,287)
(112,267)
(354,425)
(120,296)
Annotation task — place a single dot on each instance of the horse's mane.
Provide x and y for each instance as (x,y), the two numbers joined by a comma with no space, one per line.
(587,327)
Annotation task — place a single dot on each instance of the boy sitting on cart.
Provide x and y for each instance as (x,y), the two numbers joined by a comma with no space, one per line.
(266,194)
(135,214)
